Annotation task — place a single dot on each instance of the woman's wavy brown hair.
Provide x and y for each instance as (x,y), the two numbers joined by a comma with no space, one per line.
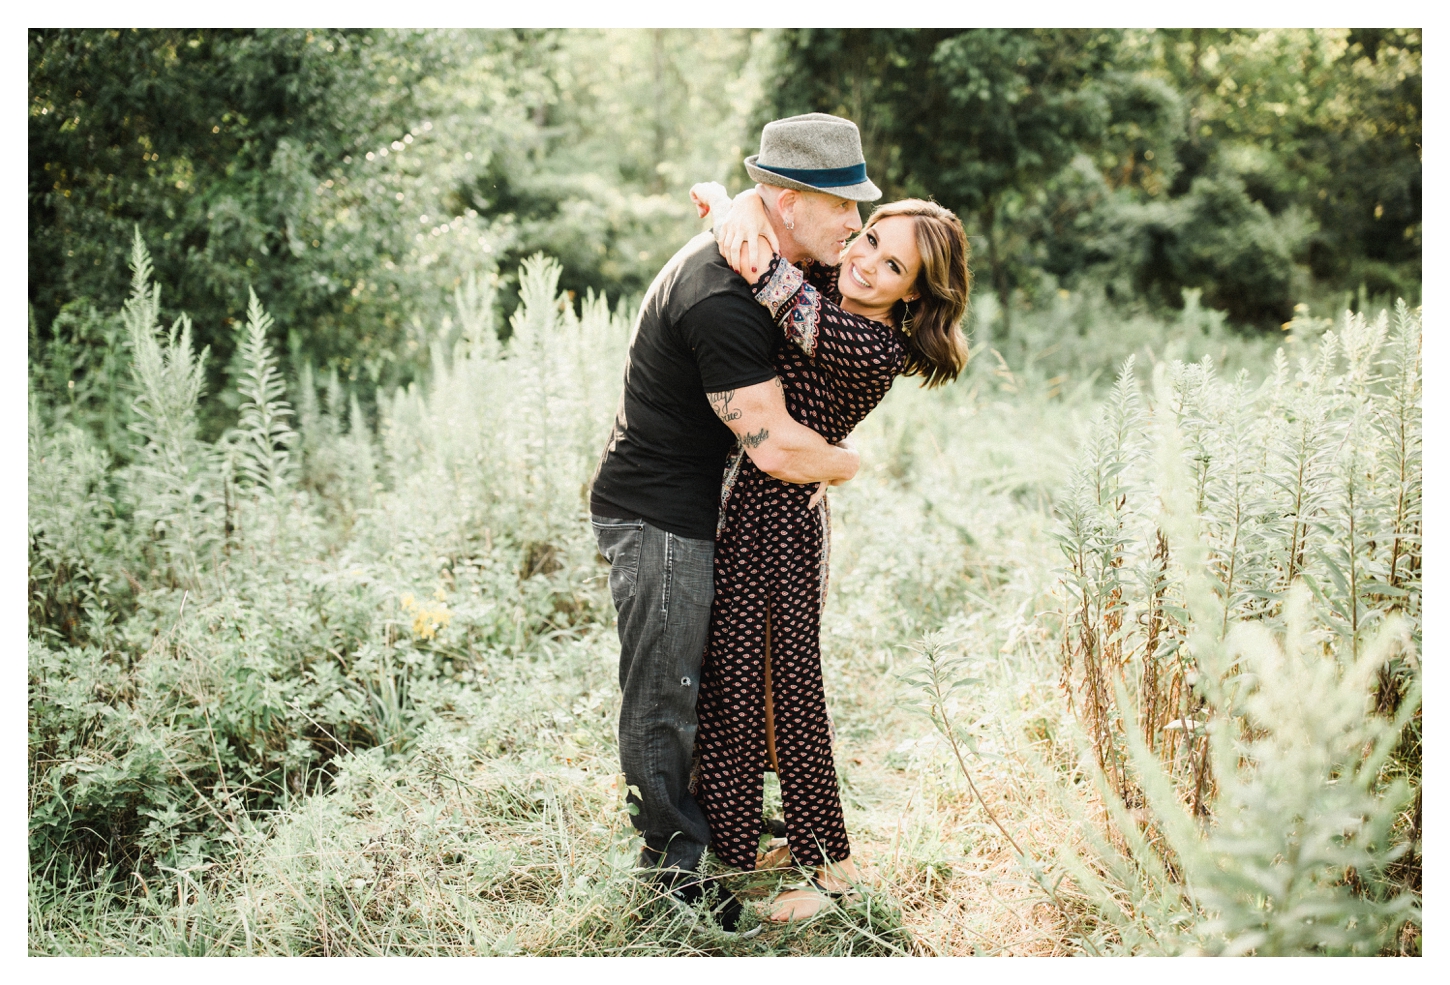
(936,349)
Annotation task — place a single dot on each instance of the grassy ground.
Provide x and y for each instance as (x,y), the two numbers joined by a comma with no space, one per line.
(475,805)
(502,830)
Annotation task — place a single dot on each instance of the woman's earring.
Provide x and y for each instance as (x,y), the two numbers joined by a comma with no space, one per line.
(789,224)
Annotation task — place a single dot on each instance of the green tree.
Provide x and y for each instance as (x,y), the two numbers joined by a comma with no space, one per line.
(981,120)
(311,166)
(622,123)
(356,179)
(214,143)
(1325,121)
(1238,163)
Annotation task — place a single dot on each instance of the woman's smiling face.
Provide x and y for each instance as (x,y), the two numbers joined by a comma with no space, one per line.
(880,267)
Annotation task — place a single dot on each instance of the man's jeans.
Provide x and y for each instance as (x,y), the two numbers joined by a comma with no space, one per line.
(662,586)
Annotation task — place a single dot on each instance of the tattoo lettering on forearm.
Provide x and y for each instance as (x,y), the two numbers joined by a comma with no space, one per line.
(720,404)
(756,439)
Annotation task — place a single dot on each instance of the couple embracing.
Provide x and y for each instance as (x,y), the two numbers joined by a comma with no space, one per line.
(744,380)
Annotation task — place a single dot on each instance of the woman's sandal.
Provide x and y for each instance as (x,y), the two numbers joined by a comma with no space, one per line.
(820,892)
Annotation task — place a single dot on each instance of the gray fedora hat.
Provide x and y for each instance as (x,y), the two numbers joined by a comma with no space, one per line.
(815,152)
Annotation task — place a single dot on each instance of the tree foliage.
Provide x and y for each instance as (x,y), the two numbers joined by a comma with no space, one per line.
(1254,166)
(356,178)
(228,150)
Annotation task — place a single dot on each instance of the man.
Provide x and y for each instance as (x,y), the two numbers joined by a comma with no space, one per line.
(700,376)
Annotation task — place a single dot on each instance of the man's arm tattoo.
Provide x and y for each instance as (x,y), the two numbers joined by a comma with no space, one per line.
(720,404)
(754,440)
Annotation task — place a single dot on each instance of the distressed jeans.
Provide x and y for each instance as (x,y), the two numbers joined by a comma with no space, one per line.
(662,585)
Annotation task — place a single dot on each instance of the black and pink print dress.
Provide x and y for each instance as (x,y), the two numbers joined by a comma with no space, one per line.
(771,562)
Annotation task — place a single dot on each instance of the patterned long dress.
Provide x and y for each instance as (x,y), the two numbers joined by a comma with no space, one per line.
(771,565)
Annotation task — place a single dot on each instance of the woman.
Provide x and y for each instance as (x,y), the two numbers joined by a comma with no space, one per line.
(893,306)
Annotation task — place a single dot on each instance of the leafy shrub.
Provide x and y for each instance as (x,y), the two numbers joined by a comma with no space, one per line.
(369,711)
(1240,640)
(199,654)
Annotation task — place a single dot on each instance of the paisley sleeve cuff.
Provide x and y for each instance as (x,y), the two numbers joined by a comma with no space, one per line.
(779,285)
(793,304)
(801,319)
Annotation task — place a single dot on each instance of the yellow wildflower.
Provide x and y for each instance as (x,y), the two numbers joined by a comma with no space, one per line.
(428,616)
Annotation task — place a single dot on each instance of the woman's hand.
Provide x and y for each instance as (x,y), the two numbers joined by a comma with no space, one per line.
(745,236)
(710,196)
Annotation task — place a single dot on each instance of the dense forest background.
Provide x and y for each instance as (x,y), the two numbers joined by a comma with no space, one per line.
(354,178)
(326,332)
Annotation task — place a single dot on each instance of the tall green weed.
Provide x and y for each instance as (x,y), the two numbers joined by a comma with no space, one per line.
(364,706)
(1242,602)
(209,632)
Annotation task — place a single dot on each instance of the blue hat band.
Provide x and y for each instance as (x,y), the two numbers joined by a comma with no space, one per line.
(821,177)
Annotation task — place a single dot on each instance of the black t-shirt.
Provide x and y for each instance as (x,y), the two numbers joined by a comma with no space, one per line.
(667,453)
